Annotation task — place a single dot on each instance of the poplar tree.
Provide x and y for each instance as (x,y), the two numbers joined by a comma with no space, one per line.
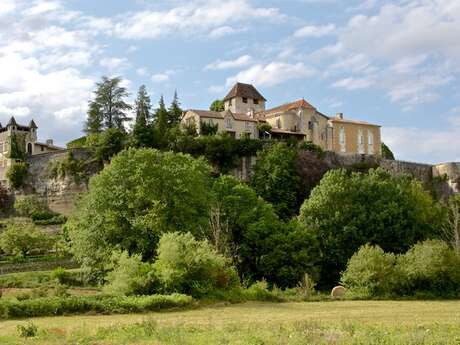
(94,120)
(142,131)
(161,123)
(174,111)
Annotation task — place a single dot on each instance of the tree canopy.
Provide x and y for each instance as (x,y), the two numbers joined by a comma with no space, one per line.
(140,195)
(217,105)
(347,210)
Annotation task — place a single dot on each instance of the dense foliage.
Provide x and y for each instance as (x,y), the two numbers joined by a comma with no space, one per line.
(139,196)
(190,266)
(347,210)
(16,174)
(387,153)
(23,239)
(430,268)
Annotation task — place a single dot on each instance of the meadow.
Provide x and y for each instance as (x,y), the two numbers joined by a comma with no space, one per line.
(334,322)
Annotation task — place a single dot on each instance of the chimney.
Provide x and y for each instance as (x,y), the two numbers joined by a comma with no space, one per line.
(339,116)
(49,142)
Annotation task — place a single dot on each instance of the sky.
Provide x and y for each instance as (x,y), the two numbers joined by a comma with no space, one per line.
(393,63)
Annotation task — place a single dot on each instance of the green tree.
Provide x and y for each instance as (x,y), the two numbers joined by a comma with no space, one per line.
(142,131)
(275,178)
(109,104)
(107,144)
(139,196)
(387,153)
(191,266)
(174,111)
(217,105)
(17,146)
(24,239)
(246,228)
(95,119)
(16,174)
(347,210)
(161,124)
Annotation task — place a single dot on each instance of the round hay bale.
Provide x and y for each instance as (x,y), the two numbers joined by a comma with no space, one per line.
(338,291)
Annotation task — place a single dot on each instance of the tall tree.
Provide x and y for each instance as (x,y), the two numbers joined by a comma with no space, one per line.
(174,111)
(94,121)
(110,100)
(142,131)
(217,105)
(161,123)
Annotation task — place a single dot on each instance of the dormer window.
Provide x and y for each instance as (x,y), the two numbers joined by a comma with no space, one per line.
(245,100)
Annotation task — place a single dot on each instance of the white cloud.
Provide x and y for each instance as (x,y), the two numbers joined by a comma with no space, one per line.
(40,7)
(160,77)
(224,31)
(141,71)
(227,64)
(353,83)
(315,31)
(6,6)
(194,17)
(114,63)
(423,145)
(272,74)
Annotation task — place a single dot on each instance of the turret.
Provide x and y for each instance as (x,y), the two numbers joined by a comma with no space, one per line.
(12,123)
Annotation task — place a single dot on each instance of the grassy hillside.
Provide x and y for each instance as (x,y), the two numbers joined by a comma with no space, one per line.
(342,322)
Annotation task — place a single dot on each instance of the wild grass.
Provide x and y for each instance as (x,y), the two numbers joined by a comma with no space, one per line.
(341,322)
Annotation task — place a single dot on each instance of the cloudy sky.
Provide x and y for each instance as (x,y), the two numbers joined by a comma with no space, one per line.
(395,63)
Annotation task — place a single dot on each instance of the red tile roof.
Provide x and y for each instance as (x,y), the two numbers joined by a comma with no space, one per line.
(301,103)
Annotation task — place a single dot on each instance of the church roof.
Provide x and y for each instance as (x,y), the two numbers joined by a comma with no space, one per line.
(244,90)
(32,124)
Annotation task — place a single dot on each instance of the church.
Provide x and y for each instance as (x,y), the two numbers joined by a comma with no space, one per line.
(245,116)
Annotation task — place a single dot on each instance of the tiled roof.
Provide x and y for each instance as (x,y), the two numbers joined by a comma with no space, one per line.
(244,90)
(282,131)
(301,103)
(221,115)
(334,119)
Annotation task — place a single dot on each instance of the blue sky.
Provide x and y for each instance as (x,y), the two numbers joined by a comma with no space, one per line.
(394,63)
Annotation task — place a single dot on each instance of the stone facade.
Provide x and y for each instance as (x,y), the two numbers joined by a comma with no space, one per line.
(26,141)
(245,111)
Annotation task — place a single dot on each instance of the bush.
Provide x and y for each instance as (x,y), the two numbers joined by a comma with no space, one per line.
(370,272)
(28,205)
(130,276)
(140,195)
(430,267)
(190,266)
(28,330)
(52,306)
(17,174)
(24,239)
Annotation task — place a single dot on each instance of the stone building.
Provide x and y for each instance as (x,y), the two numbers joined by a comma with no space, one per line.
(245,111)
(25,139)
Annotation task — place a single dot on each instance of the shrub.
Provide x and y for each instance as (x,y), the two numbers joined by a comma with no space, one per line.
(370,272)
(190,266)
(17,174)
(130,275)
(24,239)
(27,331)
(28,205)
(51,306)
(209,128)
(432,267)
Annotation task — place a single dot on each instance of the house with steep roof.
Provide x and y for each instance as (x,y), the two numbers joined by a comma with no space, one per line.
(244,112)
(24,137)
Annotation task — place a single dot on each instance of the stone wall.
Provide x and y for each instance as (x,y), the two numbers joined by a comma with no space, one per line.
(59,193)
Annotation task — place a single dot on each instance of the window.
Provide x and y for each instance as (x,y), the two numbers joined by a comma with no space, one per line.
(256,101)
(342,139)
(1,147)
(370,142)
(245,100)
(247,125)
(360,141)
(278,122)
(228,122)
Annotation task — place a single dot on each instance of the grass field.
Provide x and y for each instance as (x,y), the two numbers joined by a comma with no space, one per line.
(340,322)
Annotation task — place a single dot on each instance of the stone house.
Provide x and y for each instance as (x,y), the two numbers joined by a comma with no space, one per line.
(26,141)
(245,111)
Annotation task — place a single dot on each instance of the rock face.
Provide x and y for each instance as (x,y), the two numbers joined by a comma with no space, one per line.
(60,193)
